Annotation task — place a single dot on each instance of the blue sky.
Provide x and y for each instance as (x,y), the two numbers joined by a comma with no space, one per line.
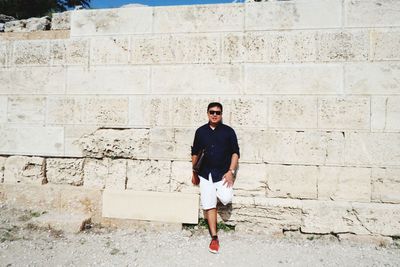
(118,3)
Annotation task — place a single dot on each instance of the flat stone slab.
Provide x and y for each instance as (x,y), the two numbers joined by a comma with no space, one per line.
(152,206)
(66,222)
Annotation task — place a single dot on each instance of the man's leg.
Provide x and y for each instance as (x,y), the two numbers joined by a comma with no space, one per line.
(212,221)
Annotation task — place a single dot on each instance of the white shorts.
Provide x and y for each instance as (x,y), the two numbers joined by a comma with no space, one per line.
(210,191)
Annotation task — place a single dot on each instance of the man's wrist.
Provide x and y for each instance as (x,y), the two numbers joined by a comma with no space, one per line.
(233,171)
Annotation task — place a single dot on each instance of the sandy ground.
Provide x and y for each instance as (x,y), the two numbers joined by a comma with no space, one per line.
(22,244)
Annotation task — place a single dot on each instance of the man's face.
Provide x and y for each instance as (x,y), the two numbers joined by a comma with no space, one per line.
(214,115)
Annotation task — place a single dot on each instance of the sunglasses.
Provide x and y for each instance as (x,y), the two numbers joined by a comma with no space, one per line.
(214,112)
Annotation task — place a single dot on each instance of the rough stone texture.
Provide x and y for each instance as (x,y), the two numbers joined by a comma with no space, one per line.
(2,167)
(251,179)
(3,109)
(246,111)
(181,177)
(162,143)
(344,183)
(127,143)
(149,175)
(61,21)
(72,134)
(117,174)
(27,170)
(5,53)
(95,173)
(65,222)
(64,171)
(26,109)
(291,181)
(39,35)
(386,185)
(70,52)
(31,53)
(385,44)
(385,113)
(376,240)
(110,50)
(28,25)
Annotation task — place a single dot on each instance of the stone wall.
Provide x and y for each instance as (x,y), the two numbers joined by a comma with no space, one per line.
(311,88)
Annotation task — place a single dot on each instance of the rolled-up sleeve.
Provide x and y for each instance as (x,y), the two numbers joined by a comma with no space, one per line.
(234,144)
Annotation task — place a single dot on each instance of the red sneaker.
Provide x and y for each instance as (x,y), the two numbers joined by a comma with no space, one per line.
(214,246)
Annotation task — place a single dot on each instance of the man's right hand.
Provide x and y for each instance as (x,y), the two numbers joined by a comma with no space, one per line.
(195,179)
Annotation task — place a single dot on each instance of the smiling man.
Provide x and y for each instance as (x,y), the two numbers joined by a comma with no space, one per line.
(218,168)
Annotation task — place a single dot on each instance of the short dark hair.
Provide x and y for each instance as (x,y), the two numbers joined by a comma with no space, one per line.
(214,104)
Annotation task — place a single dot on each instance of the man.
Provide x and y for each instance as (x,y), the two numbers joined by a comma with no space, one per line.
(218,167)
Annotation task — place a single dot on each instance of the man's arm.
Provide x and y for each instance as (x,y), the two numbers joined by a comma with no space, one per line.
(228,176)
(195,176)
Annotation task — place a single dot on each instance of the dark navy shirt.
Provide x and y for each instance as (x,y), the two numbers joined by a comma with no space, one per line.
(219,145)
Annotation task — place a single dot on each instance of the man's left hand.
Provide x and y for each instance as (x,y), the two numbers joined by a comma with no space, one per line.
(228,179)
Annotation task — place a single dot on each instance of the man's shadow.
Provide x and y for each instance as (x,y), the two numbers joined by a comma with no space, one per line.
(224,211)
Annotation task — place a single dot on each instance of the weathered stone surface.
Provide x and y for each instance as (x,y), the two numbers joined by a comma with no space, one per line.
(291,181)
(372,149)
(333,113)
(372,78)
(2,167)
(245,111)
(64,171)
(31,53)
(5,53)
(371,13)
(385,113)
(65,222)
(3,109)
(32,81)
(117,174)
(323,217)
(110,50)
(181,177)
(38,24)
(386,185)
(31,140)
(26,109)
(111,21)
(126,143)
(376,240)
(293,15)
(199,48)
(39,35)
(384,44)
(344,183)
(189,79)
(149,175)
(199,18)
(95,173)
(381,219)
(184,138)
(21,169)
(251,179)
(302,147)
(108,80)
(72,134)
(342,45)
(162,143)
(15,26)
(293,79)
(61,21)
(296,112)
(70,51)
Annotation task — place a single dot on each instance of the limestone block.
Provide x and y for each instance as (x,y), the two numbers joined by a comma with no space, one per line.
(26,109)
(66,110)
(181,177)
(293,79)
(175,48)
(386,185)
(72,135)
(333,113)
(382,219)
(251,145)
(162,143)
(64,171)
(111,21)
(106,110)
(299,147)
(184,138)
(323,217)
(124,143)
(384,44)
(376,240)
(251,179)
(5,53)
(153,206)
(246,111)
(65,222)
(149,175)
(35,52)
(69,51)
(95,173)
(291,181)
(293,15)
(2,164)
(15,26)
(110,50)
(342,45)
(344,183)
(108,80)
(117,174)
(199,18)
(372,149)
(32,81)
(371,13)
(32,140)
(196,79)
(293,112)
(372,78)
(61,21)
(3,109)
(385,113)
(298,46)
(21,169)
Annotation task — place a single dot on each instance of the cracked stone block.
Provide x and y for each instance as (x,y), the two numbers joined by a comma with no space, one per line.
(149,175)
(61,21)
(62,221)
(2,167)
(291,181)
(386,185)
(181,177)
(251,179)
(385,113)
(36,52)
(64,171)
(21,169)
(123,143)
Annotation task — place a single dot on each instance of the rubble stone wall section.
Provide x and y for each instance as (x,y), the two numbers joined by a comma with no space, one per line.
(311,88)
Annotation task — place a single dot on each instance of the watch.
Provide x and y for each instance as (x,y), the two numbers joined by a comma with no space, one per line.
(232,171)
